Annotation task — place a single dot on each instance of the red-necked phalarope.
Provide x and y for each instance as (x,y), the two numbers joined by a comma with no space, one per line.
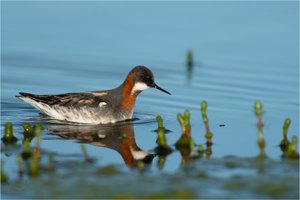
(98,107)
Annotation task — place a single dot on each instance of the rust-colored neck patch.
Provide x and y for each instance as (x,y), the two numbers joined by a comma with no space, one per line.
(128,98)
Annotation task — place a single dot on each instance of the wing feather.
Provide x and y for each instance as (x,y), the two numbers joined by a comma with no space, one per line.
(68,100)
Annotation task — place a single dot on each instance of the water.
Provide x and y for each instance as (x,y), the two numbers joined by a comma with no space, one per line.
(243,51)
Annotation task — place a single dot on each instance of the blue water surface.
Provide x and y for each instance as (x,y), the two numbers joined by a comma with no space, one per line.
(243,52)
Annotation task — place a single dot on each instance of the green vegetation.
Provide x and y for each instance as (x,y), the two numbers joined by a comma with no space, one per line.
(40,167)
(285,142)
(208,133)
(9,138)
(189,60)
(162,147)
(261,142)
(4,178)
(291,151)
(185,143)
(34,162)
(85,153)
(288,148)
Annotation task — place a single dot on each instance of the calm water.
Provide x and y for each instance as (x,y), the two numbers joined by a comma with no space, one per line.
(243,52)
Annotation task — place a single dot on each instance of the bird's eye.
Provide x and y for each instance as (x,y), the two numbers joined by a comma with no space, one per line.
(147,78)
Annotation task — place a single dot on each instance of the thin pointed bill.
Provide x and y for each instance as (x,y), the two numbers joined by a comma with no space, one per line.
(159,88)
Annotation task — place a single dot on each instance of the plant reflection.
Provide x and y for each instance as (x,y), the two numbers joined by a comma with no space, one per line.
(119,137)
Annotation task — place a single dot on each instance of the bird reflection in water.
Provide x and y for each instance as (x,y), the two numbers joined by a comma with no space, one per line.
(119,137)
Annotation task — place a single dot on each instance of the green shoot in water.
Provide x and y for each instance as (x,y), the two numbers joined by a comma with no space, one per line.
(161,161)
(9,137)
(28,132)
(85,153)
(26,154)
(161,141)
(292,149)
(162,149)
(185,144)
(4,177)
(208,134)
(34,165)
(189,60)
(285,142)
(38,132)
(261,142)
(184,121)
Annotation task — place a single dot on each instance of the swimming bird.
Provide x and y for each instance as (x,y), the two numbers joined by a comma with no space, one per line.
(96,107)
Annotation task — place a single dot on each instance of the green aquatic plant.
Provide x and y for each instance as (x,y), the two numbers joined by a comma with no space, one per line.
(185,143)
(8,137)
(286,126)
(159,122)
(4,177)
(38,133)
(199,152)
(32,156)
(161,161)
(34,164)
(85,153)
(291,151)
(261,142)
(285,142)
(184,121)
(27,150)
(28,132)
(162,146)
(37,128)
(208,134)
(162,149)
(185,140)
(189,60)
(208,151)
(288,148)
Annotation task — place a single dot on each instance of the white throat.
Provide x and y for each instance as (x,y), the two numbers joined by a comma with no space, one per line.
(139,86)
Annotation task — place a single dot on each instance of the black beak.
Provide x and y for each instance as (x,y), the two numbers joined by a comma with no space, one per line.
(159,88)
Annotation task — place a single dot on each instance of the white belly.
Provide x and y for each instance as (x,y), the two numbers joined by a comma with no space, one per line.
(83,115)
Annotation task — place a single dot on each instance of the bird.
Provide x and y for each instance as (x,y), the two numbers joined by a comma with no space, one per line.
(96,107)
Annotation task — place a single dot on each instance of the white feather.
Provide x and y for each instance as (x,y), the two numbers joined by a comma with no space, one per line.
(101,104)
(44,108)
